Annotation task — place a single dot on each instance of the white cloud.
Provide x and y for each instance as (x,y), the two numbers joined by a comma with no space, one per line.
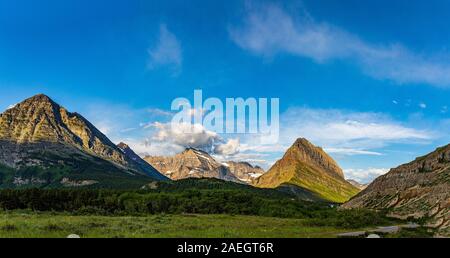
(269,30)
(186,135)
(252,145)
(167,51)
(127,130)
(422,105)
(231,147)
(148,147)
(347,132)
(177,136)
(364,175)
(349,151)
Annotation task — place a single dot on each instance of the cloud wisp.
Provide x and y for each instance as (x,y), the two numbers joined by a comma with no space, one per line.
(350,152)
(167,52)
(269,30)
(347,132)
(364,176)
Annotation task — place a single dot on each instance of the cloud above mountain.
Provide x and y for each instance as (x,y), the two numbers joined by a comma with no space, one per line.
(167,52)
(366,175)
(268,30)
(349,133)
(230,147)
(185,135)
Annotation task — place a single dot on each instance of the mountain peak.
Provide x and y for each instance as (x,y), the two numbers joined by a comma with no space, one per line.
(196,152)
(303,143)
(305,151)
(40,119)
(39,99)
(309,167)
(40,132)
(188,149)
(41,96)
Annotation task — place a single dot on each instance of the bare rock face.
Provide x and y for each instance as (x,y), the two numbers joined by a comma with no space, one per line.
(418,189)
(40,119)
(192,163)
(244,171)
(41,134)
(309,167)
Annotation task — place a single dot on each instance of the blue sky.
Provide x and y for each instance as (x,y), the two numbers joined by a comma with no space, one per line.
(367,80)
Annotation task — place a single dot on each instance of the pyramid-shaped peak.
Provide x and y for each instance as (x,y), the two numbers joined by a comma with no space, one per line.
(309,167)
(303,142)
(39,101)
(197,154)
(41,95)
(194,150)
(39,118)
(307,152)
(40,98)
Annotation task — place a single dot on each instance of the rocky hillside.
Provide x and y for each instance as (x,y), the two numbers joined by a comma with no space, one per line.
(192,163)
(42,142)
(244,171)
(309,167)
(418,189)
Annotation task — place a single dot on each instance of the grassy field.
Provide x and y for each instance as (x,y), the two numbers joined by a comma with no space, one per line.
(32,225)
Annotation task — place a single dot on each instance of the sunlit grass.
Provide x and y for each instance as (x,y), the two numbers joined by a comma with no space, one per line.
(31,225)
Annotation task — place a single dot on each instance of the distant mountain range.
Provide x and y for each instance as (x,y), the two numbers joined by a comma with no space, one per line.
(193,163)
(42,144)
(419,189)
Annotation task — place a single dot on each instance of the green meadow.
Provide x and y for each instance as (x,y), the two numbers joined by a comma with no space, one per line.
(25,224)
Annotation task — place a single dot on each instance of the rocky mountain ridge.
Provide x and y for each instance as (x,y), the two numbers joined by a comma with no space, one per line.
(40,135)
(419,189)
(307,166)
(245,171)
(193,163)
